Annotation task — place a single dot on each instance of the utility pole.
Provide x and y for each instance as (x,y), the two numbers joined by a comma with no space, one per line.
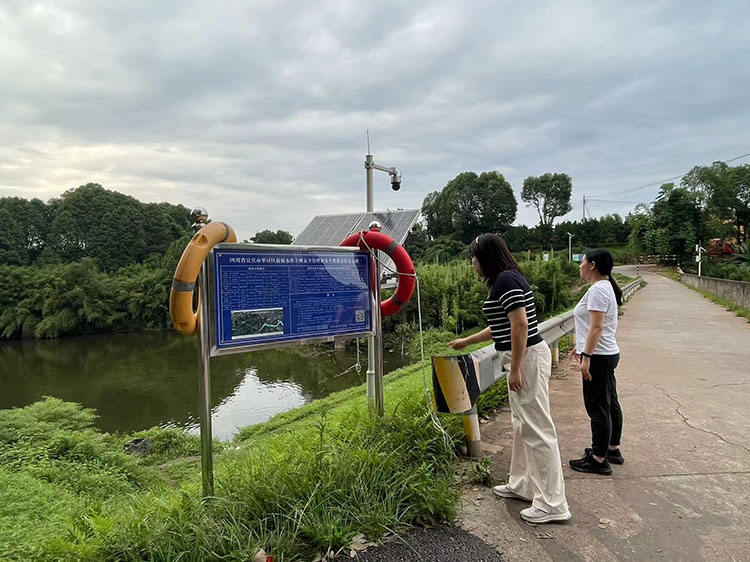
(584,207)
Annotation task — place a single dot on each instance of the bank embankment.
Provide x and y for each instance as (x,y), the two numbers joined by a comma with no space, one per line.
(306,482)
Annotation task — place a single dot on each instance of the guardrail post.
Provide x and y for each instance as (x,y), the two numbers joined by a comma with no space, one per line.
(555,352)
(473,437)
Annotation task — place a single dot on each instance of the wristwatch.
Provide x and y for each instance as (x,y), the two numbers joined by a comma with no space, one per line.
(584,354)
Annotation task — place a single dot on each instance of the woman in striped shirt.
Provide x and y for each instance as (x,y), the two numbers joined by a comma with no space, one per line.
(535,466)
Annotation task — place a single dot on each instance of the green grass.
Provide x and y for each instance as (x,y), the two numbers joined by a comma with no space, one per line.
(729,305)
(670,273)
(306,481)
(622,279)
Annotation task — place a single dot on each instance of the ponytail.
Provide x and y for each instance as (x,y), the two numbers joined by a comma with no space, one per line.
(604,262)
(616,289)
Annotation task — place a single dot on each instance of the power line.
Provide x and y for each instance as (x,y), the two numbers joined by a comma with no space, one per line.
(613,201)
(660,182)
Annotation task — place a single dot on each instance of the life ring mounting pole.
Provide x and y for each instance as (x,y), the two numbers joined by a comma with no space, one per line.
(207,453)
(375,386)
(373,240)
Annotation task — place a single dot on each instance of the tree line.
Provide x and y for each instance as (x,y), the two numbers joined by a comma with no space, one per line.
(96,260)
(710,202)
(112,229)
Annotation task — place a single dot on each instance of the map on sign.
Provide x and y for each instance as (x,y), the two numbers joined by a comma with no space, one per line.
(272,295)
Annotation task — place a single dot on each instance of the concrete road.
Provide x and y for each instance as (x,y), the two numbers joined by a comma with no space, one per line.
(684,492)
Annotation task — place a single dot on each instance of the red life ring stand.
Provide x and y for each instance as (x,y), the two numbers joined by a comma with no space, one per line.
(406,280)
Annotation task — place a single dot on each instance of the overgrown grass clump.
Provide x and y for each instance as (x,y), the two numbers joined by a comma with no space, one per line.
(306,483)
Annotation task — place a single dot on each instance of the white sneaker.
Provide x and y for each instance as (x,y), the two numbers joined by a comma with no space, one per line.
(536,515)
(504,491)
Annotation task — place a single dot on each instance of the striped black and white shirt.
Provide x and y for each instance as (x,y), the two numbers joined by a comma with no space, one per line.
(510,291)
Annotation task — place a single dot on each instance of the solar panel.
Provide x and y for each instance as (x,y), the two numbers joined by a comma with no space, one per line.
(395,224)
(330,230)
(327,230)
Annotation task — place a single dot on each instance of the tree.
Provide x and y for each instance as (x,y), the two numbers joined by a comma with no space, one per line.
(416,242)
(521,238)
(114,229)
(550,194)
(444,249)
(271,237)
(674,223)
(470,205)
(23,230)
(724,191)
(437,214)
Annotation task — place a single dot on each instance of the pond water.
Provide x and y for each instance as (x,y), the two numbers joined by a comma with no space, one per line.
(136,381)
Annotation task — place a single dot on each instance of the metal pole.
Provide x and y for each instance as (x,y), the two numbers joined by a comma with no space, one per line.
(556,352)
(207,453)
(369,167)
(371,340)
(376,399)
(570,246)
(473,437)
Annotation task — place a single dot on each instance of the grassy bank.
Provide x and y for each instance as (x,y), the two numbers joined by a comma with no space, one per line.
(307,481)
(672,274)
(729,305)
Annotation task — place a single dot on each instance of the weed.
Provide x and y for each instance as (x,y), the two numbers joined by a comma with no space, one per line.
(482,472)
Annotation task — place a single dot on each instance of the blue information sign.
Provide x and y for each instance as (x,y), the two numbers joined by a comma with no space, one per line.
(267,296)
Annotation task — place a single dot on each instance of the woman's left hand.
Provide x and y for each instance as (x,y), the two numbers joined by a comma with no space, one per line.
(573,356)
(585,362)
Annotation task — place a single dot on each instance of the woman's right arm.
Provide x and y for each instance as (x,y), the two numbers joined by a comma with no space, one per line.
(460,343)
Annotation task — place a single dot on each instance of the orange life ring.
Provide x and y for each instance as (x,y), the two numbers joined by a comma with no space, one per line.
(404,265)
(185,320)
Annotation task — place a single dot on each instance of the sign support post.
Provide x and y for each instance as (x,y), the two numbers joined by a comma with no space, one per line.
(207,451)
(255,296)
(200,216)
(375,392)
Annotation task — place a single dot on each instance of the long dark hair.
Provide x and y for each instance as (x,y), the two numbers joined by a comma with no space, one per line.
(604,262)
(493,256)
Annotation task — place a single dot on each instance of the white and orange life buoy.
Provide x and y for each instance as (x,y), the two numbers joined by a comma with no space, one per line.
(406,279)
(185,320)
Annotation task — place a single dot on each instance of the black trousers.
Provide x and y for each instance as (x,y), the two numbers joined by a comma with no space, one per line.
(602,405)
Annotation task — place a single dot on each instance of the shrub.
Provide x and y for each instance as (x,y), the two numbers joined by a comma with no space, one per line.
(728,270)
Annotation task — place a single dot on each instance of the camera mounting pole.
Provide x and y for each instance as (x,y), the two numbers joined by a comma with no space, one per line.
(375,396)
(395,175)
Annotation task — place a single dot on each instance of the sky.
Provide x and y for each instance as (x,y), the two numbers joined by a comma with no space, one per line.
(258,110)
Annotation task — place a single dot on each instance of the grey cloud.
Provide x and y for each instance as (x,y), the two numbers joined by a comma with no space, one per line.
(258,110)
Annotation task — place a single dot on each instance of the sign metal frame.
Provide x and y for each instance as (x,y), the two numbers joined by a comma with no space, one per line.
(280,248)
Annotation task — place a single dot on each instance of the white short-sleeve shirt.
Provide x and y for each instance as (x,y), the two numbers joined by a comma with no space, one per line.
(600,297)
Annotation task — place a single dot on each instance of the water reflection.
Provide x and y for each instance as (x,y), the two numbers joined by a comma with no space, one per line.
(135,381)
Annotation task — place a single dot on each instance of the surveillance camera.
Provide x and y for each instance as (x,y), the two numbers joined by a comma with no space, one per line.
(396,181)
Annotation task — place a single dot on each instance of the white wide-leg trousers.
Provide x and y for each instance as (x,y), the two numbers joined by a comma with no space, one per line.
(535,466)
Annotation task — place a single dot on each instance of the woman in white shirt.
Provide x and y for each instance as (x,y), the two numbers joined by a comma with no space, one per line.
(596,349)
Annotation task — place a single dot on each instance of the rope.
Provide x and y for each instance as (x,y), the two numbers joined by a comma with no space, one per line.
(447,439)
(357,366)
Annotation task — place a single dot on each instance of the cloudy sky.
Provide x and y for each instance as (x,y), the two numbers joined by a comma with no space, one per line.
(257,110)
